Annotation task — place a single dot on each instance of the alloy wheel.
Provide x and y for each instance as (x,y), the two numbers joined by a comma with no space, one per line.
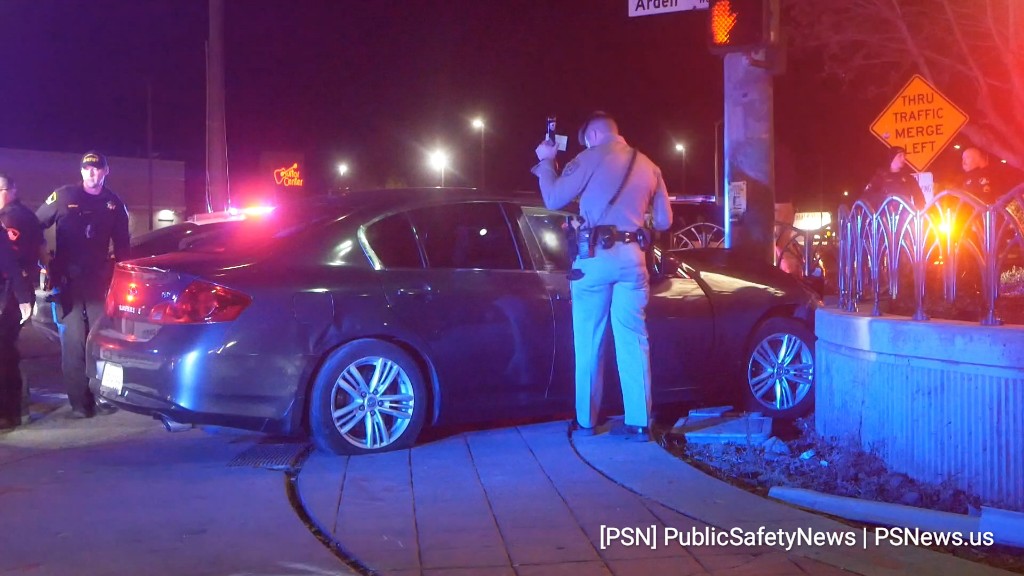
(372,402)
(780,373)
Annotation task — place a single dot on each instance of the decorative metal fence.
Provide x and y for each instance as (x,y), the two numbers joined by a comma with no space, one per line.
(699,235)
(955,237)
(811,249)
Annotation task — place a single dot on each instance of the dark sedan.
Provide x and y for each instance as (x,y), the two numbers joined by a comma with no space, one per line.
(361,319)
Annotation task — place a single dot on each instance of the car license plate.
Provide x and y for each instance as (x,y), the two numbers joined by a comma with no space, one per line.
(113,377)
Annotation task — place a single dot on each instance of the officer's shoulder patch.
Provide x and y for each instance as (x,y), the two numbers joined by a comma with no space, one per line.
(52,198)
(111,205)
(571,167)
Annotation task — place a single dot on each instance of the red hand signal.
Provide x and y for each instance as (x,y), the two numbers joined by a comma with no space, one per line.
(723,20)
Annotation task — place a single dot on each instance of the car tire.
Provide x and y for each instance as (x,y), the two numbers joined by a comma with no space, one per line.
(352,411)
(779,371)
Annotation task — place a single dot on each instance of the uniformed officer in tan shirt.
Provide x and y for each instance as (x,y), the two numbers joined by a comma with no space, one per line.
(614,285)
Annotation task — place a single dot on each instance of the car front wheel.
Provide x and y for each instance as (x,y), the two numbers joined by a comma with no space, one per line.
(780,369)
(368,397)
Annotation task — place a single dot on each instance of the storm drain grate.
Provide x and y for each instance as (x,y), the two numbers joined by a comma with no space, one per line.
(272,456)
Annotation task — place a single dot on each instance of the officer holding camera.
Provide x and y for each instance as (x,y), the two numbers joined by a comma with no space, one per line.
(617,188)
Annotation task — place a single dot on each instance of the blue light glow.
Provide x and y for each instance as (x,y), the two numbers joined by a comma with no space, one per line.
(189,379)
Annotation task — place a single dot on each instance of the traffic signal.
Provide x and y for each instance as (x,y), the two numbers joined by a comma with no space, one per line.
(741,25)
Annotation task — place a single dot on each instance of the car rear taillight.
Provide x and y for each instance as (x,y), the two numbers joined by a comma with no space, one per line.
(161,297)
(119,292)
(201,302)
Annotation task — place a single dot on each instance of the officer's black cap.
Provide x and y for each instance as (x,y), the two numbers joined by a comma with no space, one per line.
(894,151)
(95,159)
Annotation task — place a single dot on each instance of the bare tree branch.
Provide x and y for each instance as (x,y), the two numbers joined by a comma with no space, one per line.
(974,51)
(1009,54)
(910,44)
(984,100)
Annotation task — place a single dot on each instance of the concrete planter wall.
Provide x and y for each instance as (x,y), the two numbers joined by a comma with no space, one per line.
(936,400)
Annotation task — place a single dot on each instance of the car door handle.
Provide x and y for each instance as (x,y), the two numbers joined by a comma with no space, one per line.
(424,290)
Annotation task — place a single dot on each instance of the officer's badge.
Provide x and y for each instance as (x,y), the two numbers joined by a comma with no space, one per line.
(13,234)
(570,167)
(111,205)
(984,181)
(52,198)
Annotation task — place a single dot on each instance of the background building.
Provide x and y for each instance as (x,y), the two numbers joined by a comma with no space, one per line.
(160,198)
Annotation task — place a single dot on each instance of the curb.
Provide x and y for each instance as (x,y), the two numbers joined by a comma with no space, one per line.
(1006,527)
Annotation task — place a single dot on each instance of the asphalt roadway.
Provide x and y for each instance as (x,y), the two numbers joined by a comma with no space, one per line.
(120,495)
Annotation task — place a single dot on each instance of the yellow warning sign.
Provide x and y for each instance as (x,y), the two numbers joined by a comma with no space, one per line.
(921,120)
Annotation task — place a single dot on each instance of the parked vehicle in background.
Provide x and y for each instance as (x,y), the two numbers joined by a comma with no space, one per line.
(359,320)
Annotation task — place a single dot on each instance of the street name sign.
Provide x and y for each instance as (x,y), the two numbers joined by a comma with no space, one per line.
(648,7)
(921,120)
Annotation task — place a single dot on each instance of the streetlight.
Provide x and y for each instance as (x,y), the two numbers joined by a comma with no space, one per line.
(439,161)
(478,123)
(682,152)
(342,171)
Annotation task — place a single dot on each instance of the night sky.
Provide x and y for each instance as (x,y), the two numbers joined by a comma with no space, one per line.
(377,84)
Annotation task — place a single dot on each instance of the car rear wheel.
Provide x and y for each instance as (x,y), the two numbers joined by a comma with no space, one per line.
(368,397)
(780,369)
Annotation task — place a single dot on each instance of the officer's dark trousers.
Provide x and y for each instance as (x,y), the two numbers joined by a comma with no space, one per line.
(10,375)
(79,309)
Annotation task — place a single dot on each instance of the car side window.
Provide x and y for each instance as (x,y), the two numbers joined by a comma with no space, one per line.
(393,243)
(469,235)
(547,227)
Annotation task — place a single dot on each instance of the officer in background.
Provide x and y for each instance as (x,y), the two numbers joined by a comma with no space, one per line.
(88,217)
(787,251)
(980,178)
(894,180)
(24,231)
(616,187)
(17,297)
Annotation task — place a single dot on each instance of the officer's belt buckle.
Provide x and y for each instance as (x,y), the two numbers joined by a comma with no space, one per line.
(624,237)
(609,235)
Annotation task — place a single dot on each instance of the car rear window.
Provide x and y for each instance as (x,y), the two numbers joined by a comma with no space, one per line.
(161,240)
(257,232)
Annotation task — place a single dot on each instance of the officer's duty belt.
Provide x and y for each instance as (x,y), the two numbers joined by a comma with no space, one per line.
(608,235)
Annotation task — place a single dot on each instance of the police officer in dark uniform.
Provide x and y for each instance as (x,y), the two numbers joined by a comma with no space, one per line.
(17,297)
(23,230)
(894,181)
(88,217)
(980,178)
